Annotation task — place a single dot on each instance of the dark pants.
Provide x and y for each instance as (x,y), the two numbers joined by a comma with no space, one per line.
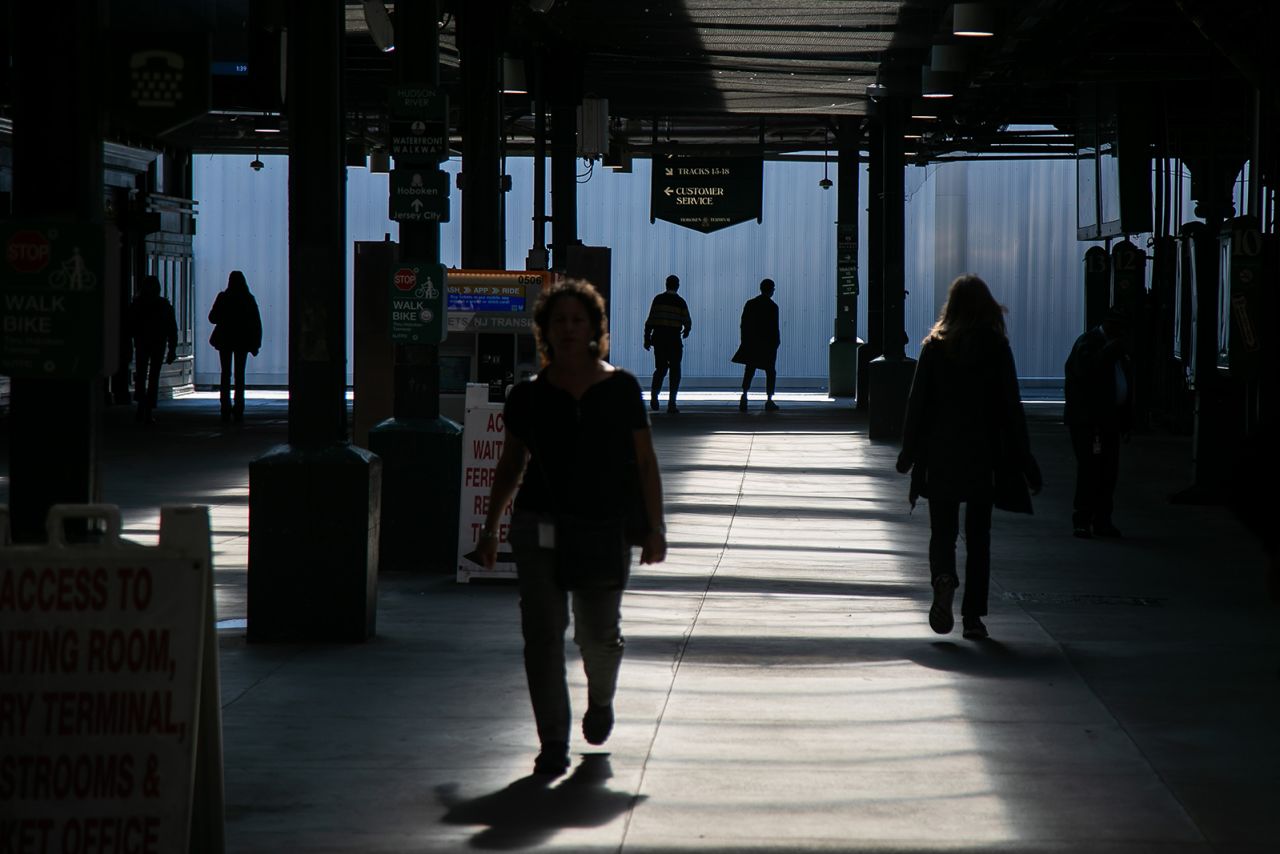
(148,359)
(770,379)
(1096,473)
(944,525)
(240,357)
(544,616)
(667,358)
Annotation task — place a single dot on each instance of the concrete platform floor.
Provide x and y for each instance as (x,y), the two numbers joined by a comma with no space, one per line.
(782,690)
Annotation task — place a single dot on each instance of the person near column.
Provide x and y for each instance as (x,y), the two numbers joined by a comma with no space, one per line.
(965,441)
(154,330)
(668,324)
(759,347)
(577,441)
(237,332)
(1098,412)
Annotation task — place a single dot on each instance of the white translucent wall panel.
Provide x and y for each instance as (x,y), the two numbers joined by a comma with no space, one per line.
(1011,222)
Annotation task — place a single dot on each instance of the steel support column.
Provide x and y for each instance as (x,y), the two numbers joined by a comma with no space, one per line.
(314,503)
(890,374)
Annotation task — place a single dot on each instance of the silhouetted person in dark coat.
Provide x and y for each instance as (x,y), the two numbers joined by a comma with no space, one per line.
(668,324)
(1098,410)
(237,332)
(154,330)
(760,340)
(965,441)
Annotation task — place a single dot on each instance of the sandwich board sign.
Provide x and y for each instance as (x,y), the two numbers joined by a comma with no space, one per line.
(110,719)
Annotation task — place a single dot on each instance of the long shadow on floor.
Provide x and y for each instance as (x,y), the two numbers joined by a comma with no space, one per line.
(530,811)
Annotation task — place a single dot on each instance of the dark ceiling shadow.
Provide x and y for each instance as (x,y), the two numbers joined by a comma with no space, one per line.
(530,811)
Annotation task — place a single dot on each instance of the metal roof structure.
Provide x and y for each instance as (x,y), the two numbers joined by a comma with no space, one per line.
(751,72)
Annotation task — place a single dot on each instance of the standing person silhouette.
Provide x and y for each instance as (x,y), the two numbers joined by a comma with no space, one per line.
(1098,412)
(237,332)
(759,347)
(668,324)
(574,434)
(154,329)
(965,442)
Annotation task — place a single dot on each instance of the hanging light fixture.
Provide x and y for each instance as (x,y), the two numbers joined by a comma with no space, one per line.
(936,84)
(513,79)
(976,20)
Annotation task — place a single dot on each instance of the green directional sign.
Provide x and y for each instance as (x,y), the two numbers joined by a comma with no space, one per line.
(52,303)
(419,124)
(706,193)
(418,303)
(419,195)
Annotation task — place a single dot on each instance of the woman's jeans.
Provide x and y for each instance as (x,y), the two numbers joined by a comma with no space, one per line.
(226,359)
(944,525)
(544,616)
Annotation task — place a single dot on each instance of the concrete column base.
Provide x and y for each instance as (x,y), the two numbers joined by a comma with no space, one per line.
(890,383)
(421,488)
(313,544)
(842,367)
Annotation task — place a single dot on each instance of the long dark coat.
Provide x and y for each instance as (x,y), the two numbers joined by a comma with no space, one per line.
(237,322)
(760,334)
(965,435)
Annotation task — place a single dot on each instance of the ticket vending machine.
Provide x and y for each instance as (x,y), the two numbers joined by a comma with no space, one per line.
(490,340)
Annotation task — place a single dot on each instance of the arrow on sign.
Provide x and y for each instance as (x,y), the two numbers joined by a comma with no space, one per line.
(416,205)
(667,190)
(669,172)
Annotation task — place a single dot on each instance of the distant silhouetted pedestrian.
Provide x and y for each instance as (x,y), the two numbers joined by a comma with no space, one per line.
(965,441)
(759,347)
(154,330)
(237,332)
(668,324)
(1098,411)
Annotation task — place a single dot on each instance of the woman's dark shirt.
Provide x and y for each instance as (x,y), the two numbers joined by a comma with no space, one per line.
(582,452)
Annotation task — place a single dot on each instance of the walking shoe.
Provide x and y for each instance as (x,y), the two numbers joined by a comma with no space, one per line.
(672,409)
(742,403)
(1081,531)
(653,403)
(597,723)
(553,760)
(770,406)
(1106,529)
(941,620)
(974,629)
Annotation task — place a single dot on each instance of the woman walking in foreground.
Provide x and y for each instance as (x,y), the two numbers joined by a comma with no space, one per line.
(965,442)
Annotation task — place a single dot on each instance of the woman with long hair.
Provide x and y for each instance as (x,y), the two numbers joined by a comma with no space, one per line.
(237,332)
(577,441)
(965,442)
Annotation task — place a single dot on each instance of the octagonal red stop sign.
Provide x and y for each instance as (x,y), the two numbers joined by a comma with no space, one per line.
(27,251)
(406,279)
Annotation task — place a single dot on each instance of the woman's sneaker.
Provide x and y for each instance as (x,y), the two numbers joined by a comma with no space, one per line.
(974,629)
(941,619)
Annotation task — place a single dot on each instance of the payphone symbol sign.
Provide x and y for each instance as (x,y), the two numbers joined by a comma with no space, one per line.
(406,279)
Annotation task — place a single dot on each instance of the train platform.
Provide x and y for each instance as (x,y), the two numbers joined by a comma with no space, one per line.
(782,690)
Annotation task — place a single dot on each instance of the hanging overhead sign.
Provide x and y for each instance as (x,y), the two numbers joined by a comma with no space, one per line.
(706,193)
(158,81)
